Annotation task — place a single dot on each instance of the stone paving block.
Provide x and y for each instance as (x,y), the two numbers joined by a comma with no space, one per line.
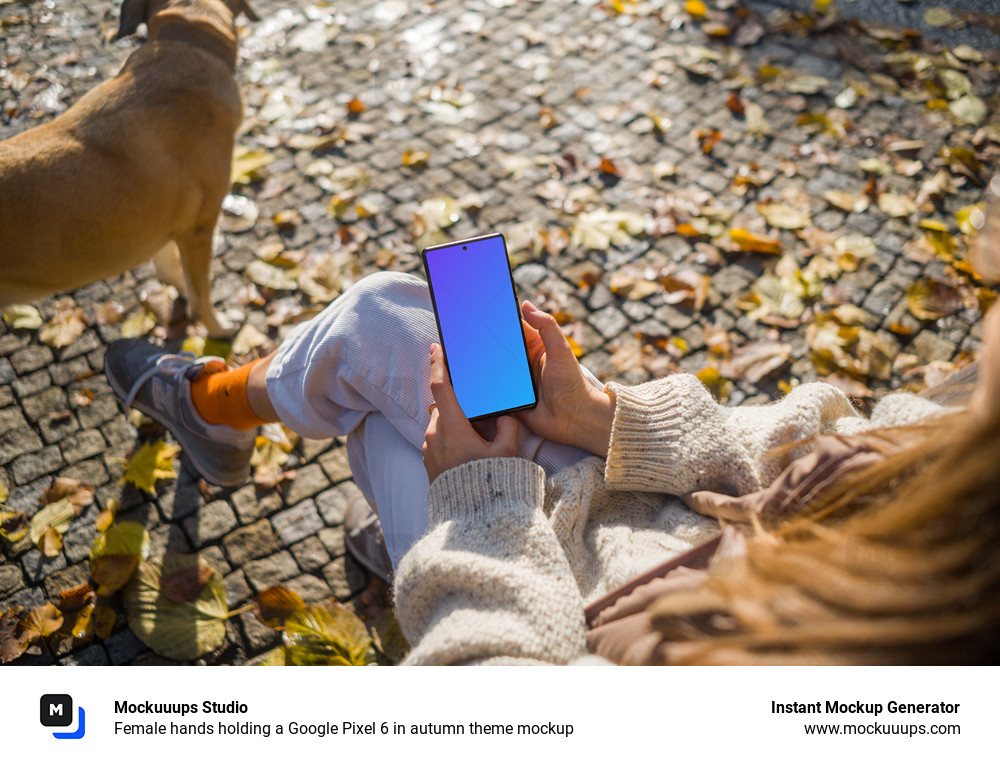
(63,579)
(168,537)
(37,567)
(237,588)
(210,523)
(344,577)
(81,445)
(77,542)
(214,558)
(6,371)
(250,507)
(30,597)
(259,637)
(310,553)
(930,347)
(333,541)
(251,542)
(276,569)
(309,481)
(28,385)
(30,359)
(92,655)
(298,522)
(335,466)
(123,647)
(310,587)
(11,579)
(333,502)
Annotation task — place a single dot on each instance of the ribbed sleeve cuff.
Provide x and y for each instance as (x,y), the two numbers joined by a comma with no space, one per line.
(653,432)
(482,489)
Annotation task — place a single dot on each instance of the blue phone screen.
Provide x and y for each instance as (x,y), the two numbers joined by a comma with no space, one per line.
(480,326)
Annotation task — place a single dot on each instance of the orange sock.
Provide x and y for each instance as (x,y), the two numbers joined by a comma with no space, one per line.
(221,398)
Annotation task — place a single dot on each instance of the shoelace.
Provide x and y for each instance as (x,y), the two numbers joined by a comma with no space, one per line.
(171,364)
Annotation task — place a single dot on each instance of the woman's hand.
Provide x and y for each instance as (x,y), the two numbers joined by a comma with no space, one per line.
(450,439)
(570,409)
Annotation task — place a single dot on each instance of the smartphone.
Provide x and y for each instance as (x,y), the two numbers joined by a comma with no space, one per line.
(479,321)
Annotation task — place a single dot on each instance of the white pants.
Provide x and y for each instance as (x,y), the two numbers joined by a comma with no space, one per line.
(361,368)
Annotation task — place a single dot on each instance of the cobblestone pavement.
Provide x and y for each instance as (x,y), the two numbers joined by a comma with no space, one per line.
(557,123)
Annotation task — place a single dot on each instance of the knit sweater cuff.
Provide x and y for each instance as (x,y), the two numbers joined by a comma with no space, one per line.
(651,436)
(482,489)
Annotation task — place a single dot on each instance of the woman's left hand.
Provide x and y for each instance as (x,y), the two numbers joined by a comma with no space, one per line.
(450,439)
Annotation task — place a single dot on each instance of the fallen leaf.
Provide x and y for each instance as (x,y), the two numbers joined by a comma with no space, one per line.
(708,139)
(50,543)
(83,624)
(178,630)
(749,242)
(64,328)
(756,124)
(970,219)
(415,158)
(600,229)
(58,516)
(149,464)
(754,361)
(696,9)
(326,635)
(843,200)
(274,277)
(104,620)
(806,84)
(896,205)
(942,17)
(13,525)
(248,164)
(969,110)
(44,620)
(78,491)
(355,106)
(276,604)
(782,216)
(932,299)
(182,585)
(247,339)
(22,317)
(76,597)
(632,287)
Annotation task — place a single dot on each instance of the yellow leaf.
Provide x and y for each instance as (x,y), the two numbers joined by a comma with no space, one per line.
(150,463)
(696,8)
(64,328)
(22,317)
(57,515)
(749,242)
(577,349)
(782,216)
(415,158)
(139,322)
(247,164)
(931,299)
(971,218)
(3,492)
(50,543)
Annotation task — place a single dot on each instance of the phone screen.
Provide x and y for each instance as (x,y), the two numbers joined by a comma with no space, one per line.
(472,290)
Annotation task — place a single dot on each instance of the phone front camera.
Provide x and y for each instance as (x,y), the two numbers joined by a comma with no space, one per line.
(464,247)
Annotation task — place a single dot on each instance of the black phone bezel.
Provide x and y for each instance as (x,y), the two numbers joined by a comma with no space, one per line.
(517,308)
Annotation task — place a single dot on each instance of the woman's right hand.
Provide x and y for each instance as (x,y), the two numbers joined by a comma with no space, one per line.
(570,409)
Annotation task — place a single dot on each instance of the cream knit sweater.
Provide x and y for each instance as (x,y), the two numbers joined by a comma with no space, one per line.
(512,559)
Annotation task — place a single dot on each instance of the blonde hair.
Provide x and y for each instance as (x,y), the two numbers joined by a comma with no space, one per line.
(901,566)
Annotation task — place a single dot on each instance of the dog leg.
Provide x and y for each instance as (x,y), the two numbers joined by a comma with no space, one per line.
(167,263)
(196,258)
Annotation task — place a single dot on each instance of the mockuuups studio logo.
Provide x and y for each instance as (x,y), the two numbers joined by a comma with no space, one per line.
(57,710)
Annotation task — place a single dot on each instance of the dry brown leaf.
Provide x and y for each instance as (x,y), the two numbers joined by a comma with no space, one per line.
(754,361)
(185,584)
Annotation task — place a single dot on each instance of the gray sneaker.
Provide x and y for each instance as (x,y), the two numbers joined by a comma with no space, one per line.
(158,383)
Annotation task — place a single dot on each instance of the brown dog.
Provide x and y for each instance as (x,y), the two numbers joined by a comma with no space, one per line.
(137,169)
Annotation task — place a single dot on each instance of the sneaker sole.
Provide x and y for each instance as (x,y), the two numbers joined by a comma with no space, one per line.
(187,451)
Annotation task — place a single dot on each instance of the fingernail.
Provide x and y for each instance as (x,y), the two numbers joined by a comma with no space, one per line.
(530,306)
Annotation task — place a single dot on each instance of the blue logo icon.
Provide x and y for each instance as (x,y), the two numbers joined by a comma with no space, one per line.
(57,710)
